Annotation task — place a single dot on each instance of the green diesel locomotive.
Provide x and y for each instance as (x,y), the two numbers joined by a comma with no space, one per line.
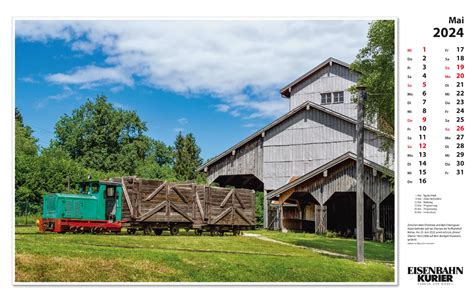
(96,208)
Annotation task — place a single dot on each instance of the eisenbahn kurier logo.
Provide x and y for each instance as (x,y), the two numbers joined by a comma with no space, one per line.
(435,274)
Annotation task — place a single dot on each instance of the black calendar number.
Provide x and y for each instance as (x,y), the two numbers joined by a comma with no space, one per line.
(448,32)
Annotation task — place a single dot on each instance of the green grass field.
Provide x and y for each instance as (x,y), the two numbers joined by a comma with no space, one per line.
(188,258)
(373,251)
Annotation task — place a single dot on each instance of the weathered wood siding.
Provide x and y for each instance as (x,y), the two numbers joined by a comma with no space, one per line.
(342,178)
(239,203)
(333,78)
(308,140)
(248,159)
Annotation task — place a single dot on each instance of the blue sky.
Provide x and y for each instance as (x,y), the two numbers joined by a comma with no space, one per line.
(219,80)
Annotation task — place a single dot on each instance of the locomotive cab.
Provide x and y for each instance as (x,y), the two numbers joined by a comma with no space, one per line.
(108,193)
(96,208)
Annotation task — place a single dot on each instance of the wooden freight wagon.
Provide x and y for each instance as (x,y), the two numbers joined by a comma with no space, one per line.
(225,209)
(154,205)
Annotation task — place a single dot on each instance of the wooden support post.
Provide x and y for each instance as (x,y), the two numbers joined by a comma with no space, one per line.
(320,219)
(360,175)
(265,209)
(379,232)
(277,225)
(301,207)
(324,219)
(377,215)
(282,226)
(316,218)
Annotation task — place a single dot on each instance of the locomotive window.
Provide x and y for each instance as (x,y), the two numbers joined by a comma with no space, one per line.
(85,188)
(110,191)
(95,187)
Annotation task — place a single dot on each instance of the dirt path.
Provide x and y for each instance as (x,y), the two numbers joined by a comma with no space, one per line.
(323,252)
(258,236)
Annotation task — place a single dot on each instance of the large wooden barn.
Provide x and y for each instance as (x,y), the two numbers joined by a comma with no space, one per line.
(304,160)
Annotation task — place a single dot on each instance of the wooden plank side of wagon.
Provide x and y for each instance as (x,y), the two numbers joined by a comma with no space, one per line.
(231,207)
(164,202)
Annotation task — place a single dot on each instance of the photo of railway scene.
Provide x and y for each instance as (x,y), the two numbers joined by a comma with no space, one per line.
(205,151)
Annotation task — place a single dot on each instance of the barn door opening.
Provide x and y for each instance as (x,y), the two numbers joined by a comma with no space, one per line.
(298,212)
(341,214)
(274,217)
(248,181)
(387,217)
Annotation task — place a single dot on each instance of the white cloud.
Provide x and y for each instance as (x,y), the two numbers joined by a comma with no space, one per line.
(241,63)
(235,113)
(183,121)
(86,47)
(90,76)
(117,89)
(222,108)
(67,92)
(28,80)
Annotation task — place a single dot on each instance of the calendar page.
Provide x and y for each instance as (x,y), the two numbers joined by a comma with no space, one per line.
(433,151)
(261,146)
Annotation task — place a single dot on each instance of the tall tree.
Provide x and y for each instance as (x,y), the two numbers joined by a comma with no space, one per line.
(376,62)
(25,142)
(104,138)
(41,171)
(187,158)
(159,163)
(26,154)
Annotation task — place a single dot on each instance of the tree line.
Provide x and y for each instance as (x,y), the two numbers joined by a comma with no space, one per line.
(100,141)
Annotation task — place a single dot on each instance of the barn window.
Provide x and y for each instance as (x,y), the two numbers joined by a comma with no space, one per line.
(339,97)
(325,98)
